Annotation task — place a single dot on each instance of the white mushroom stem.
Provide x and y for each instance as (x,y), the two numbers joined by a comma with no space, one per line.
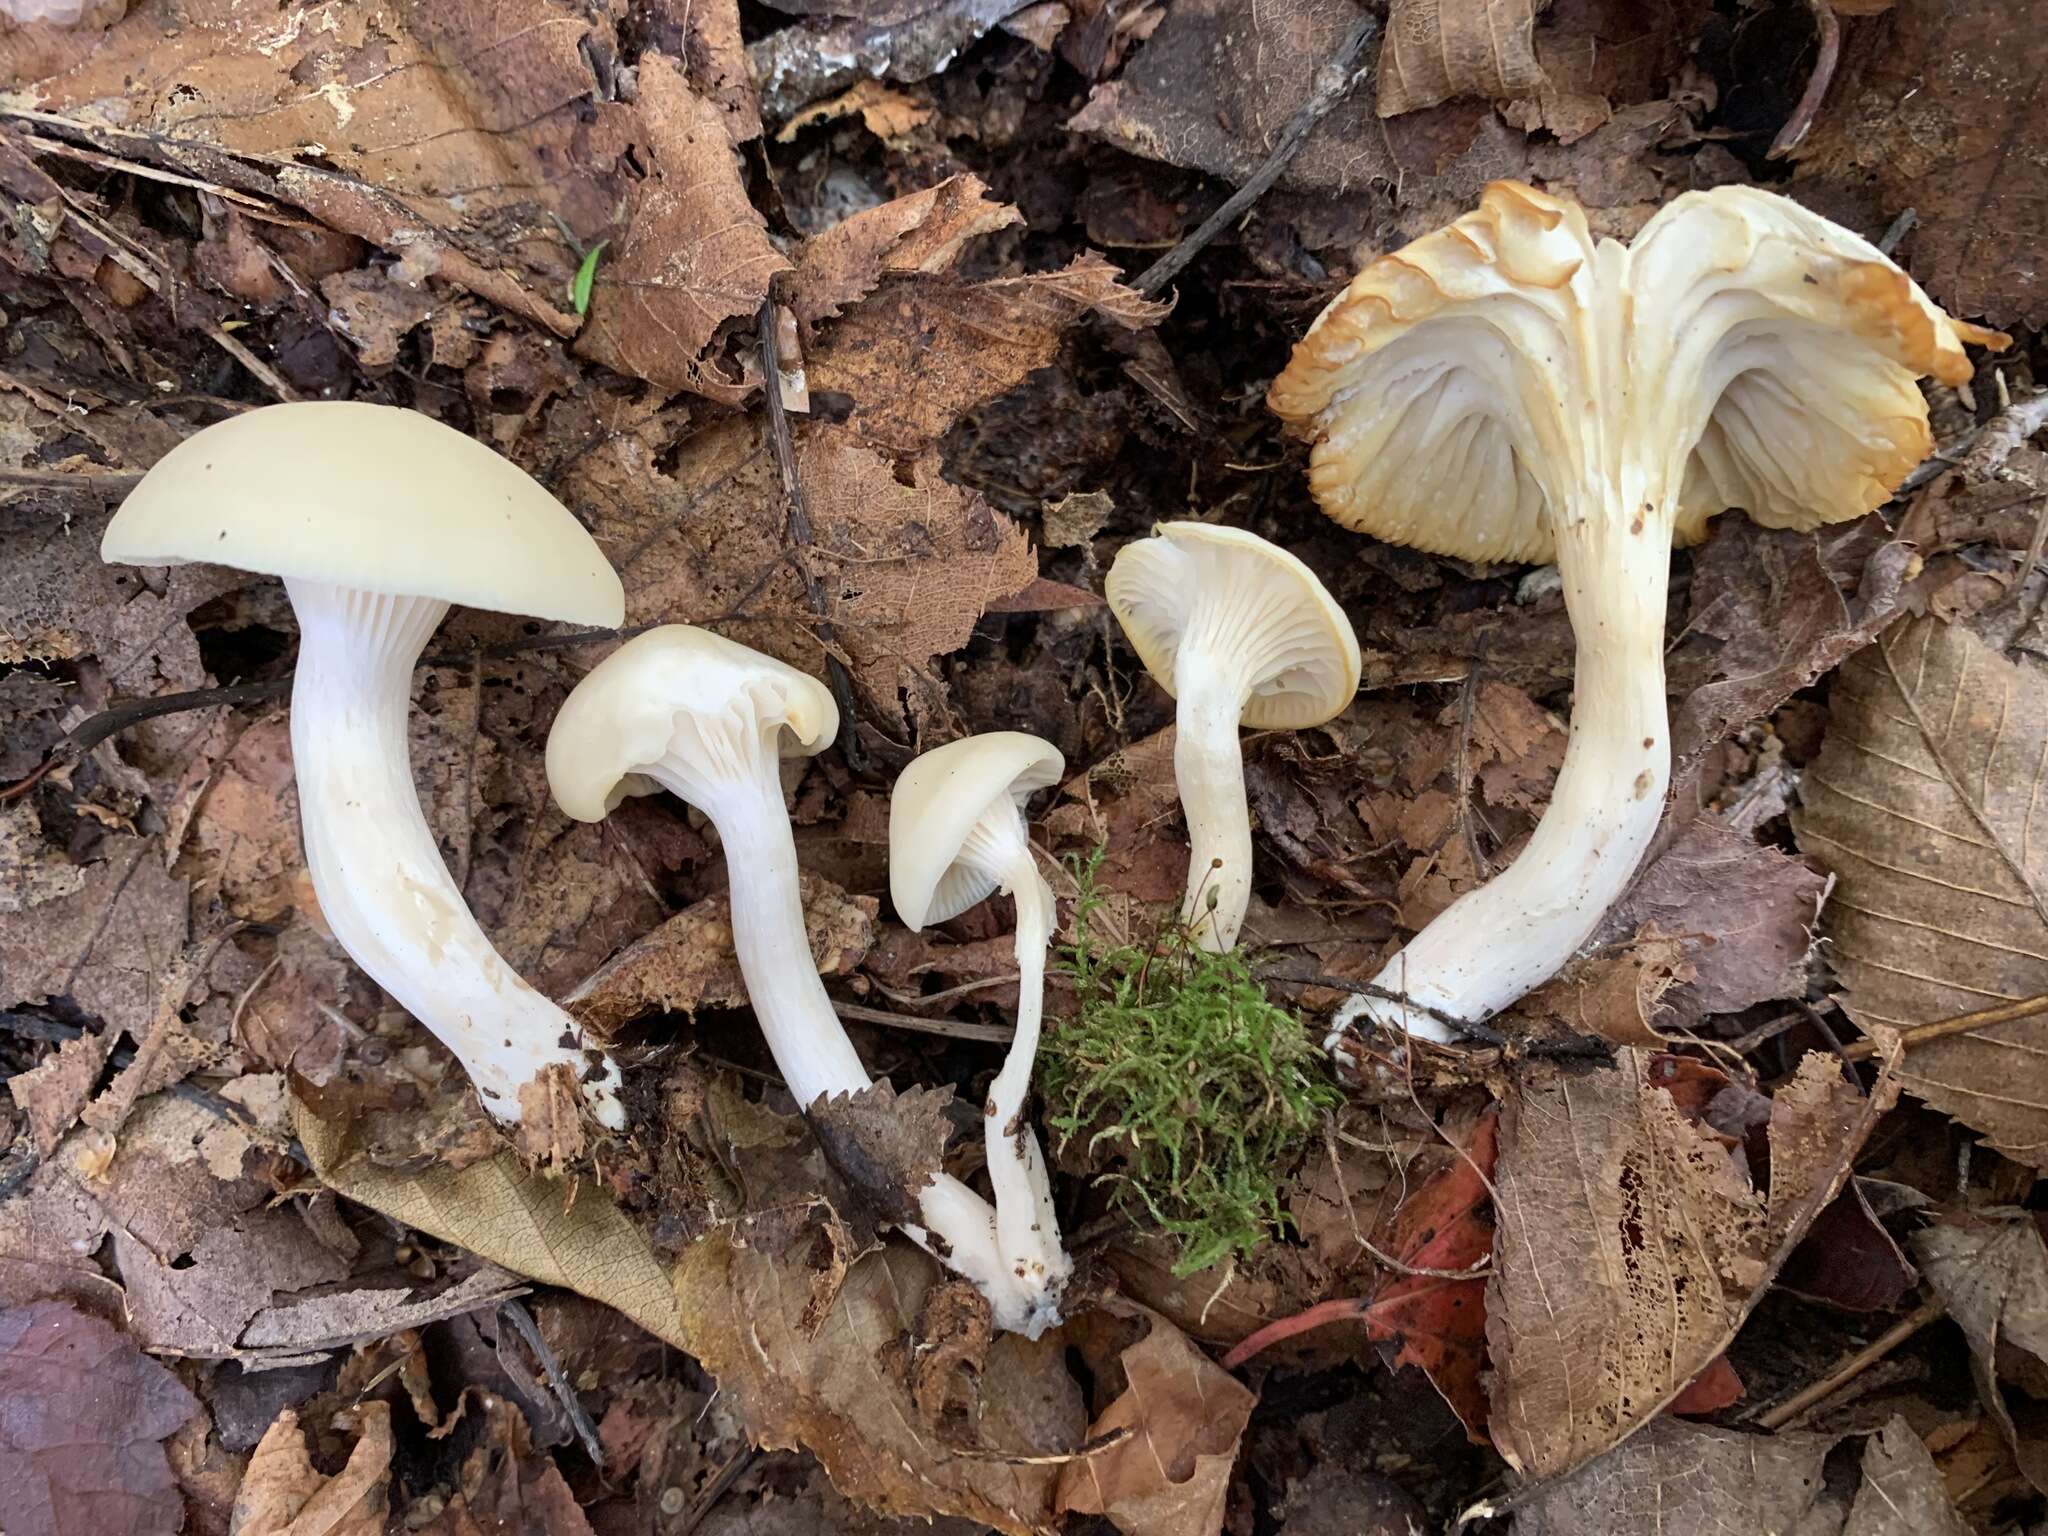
(728,769)
(1492,945)
(1027,1227)
(384,890)
(1208,768)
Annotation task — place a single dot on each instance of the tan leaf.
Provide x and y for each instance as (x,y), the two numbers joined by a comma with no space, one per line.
(1632,1244)
(283,1494)
(1615,997)
(1682,1477)
(1922,803)
(920,232)
(695,253)
(1993,1277)
(1438,49)
(922,352)
(31,872)
(105,945)
(886,113)
(376,312)
(1902,1492)
(1182,1415)
(689,961)
(886,1145)
(199,1303)
(54,1091)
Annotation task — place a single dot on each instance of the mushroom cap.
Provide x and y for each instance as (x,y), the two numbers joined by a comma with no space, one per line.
(1744,352)
(621,719)
(1270,614)
(935,805)
(370,497)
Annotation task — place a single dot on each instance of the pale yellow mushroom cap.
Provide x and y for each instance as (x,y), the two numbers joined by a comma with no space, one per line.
(1251,603)
(935,805)
(1743,352)
(622,718)
(370,497)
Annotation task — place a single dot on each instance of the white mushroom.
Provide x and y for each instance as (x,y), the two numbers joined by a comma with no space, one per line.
(957,835)
(1238,631)
(1508,389)
(378,519)
(684,710)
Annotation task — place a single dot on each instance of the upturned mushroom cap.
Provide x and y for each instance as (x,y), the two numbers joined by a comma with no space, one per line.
(622,717)
(1757,356)
(1264,608)
(935,805)
(370,497)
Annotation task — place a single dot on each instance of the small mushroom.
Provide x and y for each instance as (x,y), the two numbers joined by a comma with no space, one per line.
(378,519)
(710,721)
(1508,389)
(1238,631)
(957,835)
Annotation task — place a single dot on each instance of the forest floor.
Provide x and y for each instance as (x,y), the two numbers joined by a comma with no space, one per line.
(1698,1243)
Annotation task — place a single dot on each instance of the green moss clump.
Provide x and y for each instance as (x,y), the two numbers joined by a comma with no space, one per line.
(1201,1091)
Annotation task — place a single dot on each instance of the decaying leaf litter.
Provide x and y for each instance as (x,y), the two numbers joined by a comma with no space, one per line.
(1655,1251)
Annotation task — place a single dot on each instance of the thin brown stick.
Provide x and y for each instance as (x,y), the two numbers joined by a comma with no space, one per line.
(799,524)
(1819,1391)
(956,1029)
(514,1311)
(1333,82)
(1829,33)
(1961,1024)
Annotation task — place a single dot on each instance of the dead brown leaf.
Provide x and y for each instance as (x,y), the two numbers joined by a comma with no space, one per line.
(376,312)
(81,1443)
(1677,1476)
(1438,49)
(921,352)
(200,1302)
(1902,1492)
(105,946)
(689,962)
(919,233)
(887,114)
(55,1091)
(1632,1244)
(1922,803)
(283,1494)
(1181,1415)
(31,872)
(1992,1275)
(886,1145)
(1614,997)
(695,254)
(1934,109)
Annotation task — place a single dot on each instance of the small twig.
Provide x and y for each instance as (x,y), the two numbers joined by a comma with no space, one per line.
(721,1483)
(1961,1024)
(993,1034)
(523,1324)
(1810,1396)
(100,482)
(1898,229)
(1346,67)
(799,525)
(1829,32)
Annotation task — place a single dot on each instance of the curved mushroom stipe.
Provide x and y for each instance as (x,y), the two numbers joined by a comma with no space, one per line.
(1507,388)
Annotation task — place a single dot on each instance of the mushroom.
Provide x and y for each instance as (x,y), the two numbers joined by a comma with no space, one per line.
(709,721)
(1237,631)
(957,835)
(1507,389)
(378,519)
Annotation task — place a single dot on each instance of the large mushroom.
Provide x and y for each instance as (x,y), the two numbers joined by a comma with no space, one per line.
(1239,632)
(957,835)
(378,519)
(1508,389)
(709,721)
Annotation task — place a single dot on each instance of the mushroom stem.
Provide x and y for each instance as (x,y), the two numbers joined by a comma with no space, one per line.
(1027,1226)
(743,798)
(384,890)
(1494,944)
(1208,767)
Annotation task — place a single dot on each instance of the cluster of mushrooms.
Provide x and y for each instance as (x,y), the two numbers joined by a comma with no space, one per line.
(1505,389)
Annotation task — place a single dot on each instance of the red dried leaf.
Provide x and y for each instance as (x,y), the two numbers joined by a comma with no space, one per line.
(1715,1388)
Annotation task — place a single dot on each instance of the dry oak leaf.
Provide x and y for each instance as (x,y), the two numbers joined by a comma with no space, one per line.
(1937,108)
(283,1494)
(919,233)
(1632,1244)
(841,1386)
(1438,49)
(81,1450)
(1679,1477)
(922,352)
(1902,1492)
(695,254)
(455,135)
(689,961)
(1923,802)
(1993,1277)
(1182,1416)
